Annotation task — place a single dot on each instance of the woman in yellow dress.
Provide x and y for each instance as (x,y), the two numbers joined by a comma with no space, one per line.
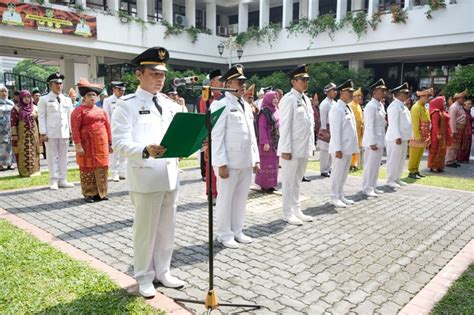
(357,99)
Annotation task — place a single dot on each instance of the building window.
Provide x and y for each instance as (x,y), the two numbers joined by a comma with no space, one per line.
(129,7)
(97,4)
(156,12)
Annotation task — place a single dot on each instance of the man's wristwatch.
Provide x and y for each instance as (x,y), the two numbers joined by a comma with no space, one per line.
(145,154)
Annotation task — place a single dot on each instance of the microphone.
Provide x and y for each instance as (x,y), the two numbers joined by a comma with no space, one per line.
(185,81)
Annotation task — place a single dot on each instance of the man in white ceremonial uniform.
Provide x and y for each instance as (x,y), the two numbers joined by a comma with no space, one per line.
(373,140)
(54,120)
(325,129)
(234,157)
(343,143)
(399,131)
(139,123)
(296,143)
(117,162)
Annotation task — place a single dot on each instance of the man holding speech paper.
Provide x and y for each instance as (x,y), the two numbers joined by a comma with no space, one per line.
(139,123)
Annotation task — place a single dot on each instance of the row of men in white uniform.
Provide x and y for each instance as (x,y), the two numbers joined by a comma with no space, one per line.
(376,137)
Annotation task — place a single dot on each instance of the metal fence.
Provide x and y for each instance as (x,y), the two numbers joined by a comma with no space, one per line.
(15,81)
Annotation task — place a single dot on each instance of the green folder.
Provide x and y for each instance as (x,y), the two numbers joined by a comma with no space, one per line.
(186,133)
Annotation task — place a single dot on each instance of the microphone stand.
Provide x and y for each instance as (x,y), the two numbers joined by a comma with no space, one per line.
(211,301)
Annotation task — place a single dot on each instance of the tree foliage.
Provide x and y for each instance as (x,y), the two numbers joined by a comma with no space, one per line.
(30,68)
(463,79)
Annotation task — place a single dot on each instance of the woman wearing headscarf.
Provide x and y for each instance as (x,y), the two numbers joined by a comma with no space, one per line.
(25,135)
(93,139)
(6,106)
(440,135)
(268,135)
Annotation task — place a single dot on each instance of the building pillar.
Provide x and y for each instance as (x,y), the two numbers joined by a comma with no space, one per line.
(93,63)
(287,16)
(142,10)
(168,11)
(408,4)
(373,8)
(190,12)
(303,14)
(211,16)
(356,65)
(357,5)
(313,9)
(243,17)
(341,10)
(67,68)
(113,5)
(264,14)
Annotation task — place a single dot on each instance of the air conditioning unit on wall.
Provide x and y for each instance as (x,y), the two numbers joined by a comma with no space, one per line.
(233,29)
(222,30)
(180,20)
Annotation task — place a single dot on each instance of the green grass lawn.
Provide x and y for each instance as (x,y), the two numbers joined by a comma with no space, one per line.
(16,182)
(37,278)
(460,296)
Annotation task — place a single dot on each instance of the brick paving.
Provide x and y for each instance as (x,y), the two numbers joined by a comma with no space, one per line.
(373,257)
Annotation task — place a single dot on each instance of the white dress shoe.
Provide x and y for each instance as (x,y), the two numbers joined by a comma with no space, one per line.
(65,185)
(244,239)
(347,201)
(393,185)
(399,182)
(293,220)
(147,290)
(230,244)
(167,280)
(54,186)
(116,178)
(303,217)
(370,194)
(338,204)
(378,191)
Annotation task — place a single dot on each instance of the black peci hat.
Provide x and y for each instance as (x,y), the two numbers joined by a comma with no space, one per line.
(155,57)
(301,71)
(235,72)
(215,73)
(379,84)
(56,77)
(402,88)
(346,86)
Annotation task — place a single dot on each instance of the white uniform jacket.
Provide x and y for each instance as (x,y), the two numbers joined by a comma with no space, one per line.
(374,124)
(343,129)
(399,122)
(233,136)
(54,117)
(136,123)
(109,106)
(296,125)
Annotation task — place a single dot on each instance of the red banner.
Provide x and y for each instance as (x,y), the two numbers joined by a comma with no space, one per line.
(44,19)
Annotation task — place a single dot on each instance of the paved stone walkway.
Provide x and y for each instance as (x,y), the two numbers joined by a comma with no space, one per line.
(370,258)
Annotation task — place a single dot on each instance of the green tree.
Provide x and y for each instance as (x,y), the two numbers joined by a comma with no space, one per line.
(278,80)
(30,68)
(463,79)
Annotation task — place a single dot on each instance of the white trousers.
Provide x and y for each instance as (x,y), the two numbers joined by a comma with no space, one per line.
(56,154)
(232,194)
(292,172)
(372,159)
(153,233)
(118,165)
(396,155)
(324,161)
(339,173)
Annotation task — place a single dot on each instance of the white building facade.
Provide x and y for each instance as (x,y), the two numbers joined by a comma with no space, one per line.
(126,28)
